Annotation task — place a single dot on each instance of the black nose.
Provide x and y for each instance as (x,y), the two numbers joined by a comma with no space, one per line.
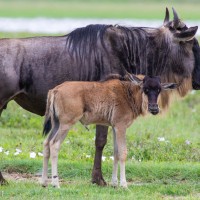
(153,108)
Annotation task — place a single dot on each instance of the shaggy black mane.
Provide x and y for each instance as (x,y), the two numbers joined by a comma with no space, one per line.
(84,45)
(86,36)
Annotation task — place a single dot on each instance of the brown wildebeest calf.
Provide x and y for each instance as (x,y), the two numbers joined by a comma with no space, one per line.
(112,103)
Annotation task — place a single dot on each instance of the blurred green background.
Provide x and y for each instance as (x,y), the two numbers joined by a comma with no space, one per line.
(151,9)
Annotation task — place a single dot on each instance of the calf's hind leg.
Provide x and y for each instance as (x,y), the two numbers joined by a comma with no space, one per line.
(54,150)
(46,154)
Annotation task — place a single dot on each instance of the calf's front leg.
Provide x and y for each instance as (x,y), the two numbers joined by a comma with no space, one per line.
(122,153)
(115,162)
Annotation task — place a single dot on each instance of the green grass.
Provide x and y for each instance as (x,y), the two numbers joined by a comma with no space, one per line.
(98,9)
(146,181)
(155,169)
(84,190)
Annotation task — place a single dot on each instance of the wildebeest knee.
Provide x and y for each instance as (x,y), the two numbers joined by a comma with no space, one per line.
(101,142)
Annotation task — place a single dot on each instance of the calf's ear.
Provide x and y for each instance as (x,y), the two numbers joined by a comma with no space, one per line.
(135,79)
(169,86)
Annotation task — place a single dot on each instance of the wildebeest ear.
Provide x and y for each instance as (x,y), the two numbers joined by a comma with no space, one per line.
(186,35)
(135,79)
(169,86)
(166,20)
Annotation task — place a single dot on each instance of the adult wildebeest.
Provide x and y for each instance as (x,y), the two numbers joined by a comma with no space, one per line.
(32,66)
(112,103)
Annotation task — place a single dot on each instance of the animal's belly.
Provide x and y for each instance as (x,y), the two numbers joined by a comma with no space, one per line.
(94,119)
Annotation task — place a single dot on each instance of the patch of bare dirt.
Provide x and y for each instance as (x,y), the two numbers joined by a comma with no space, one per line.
(21,177)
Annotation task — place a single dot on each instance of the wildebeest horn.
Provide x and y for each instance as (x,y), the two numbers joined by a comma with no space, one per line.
(176,19)
(166,20)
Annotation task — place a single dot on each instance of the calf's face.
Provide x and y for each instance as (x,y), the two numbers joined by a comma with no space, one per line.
(152,87)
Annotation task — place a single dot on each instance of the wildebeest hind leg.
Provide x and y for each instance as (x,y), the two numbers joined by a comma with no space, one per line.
(2,180)
(101,139)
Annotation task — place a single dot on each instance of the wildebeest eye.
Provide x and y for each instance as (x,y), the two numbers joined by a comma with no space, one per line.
(158,90)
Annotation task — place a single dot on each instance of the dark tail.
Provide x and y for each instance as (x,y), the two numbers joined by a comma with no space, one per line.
(47,121)
(47,126)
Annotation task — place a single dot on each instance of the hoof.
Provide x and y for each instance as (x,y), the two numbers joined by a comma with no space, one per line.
(55,186)
(97,178)
(99,181)
(114,183)
(44,182)
(44,186)
(3,182)
(124,185)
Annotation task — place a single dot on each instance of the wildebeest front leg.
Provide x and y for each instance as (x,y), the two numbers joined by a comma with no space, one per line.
(101,139)
(122,153)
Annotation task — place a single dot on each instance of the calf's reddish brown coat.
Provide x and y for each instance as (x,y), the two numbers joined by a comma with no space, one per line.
(112,103)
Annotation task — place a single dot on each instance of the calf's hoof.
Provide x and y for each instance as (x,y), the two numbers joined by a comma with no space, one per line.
(44,183)
(55,182)
(114,183)
(124,185)
(55,186)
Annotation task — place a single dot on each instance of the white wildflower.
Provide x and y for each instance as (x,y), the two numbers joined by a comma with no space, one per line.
(187,142)
(67,142)
(140,160)
(32,154)
(87,156)
(193,110)
(18,150)
(112,157)
(103,158)
(16,153)
(133,158)
(7,152)
(40,154)
(1,149)
(161,139)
